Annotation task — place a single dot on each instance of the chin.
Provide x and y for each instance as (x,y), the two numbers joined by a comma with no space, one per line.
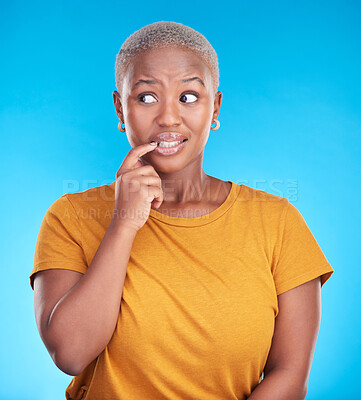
(168,169)
(168,164)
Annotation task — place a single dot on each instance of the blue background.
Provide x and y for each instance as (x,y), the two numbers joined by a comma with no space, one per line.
(290,125)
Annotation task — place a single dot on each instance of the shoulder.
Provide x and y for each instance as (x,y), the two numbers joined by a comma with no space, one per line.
(96,195)
(253,194)
(260,204)
(90,201)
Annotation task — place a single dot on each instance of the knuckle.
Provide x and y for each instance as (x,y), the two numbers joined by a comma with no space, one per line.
(134,184)
(149,168)
(133,151)
(124,177)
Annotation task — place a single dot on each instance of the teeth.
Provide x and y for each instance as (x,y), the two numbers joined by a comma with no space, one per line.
(169,144)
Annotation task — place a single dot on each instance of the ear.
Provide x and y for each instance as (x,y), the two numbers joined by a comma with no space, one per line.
(217,104)
(118,105)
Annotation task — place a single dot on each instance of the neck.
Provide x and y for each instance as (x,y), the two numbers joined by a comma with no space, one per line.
(179,188)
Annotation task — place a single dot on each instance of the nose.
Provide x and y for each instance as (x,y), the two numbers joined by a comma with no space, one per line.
(168,113)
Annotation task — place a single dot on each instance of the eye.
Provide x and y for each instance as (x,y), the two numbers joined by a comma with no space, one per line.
(195,95)
(145,95)
(185,95)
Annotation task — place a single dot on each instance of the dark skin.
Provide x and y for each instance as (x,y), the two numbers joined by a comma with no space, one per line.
(185,185)
(90,302)
(168,106)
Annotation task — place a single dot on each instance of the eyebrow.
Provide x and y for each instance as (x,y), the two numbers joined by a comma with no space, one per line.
(154,82)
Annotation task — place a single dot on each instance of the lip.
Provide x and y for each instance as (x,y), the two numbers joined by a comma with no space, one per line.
(168,137)
(169,151)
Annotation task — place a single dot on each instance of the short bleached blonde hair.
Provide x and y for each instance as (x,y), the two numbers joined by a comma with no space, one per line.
(165,34)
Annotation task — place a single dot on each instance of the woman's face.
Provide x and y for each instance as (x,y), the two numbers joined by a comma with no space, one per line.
(171,101)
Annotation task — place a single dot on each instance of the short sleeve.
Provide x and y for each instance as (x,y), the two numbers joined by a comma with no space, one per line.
(59,240)
(300,257)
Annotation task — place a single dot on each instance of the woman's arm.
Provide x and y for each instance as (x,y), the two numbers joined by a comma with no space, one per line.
(76,314)
(289,362)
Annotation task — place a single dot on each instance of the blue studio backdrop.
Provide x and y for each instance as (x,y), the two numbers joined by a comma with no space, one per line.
(290,125)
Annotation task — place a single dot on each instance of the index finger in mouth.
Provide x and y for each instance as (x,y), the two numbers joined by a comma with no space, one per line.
(137,152)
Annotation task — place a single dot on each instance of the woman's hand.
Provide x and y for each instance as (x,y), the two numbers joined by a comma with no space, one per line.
(136,187)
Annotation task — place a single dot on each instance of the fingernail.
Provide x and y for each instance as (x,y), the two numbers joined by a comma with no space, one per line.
(153,142)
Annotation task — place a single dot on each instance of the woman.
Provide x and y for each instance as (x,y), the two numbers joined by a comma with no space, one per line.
(170,283)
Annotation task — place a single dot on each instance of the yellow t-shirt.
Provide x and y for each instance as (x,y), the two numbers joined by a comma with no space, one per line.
(200,295)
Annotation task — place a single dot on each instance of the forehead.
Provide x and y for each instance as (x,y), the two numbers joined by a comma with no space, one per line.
(171,63)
